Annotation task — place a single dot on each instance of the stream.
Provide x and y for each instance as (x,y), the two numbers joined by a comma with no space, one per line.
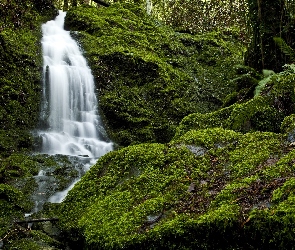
(71,129)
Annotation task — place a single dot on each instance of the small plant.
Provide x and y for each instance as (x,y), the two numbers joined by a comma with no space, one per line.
(285,48)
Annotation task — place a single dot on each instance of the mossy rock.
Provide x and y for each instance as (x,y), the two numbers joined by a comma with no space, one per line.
(270,110)
(256,114)
(19,171)
(21,71)
(171,196)
(32,240)
(197,121)
(288,127)
(288,124)
(246,70)
(17,165)
(148,76)
(13,205)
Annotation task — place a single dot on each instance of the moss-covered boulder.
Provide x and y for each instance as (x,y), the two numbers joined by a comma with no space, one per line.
(149,77)
(209,189)
(26,184)
(271,109)
(245,84)
(21,74)
(21,71)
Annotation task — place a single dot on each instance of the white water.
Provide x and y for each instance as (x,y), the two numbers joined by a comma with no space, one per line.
(69,106)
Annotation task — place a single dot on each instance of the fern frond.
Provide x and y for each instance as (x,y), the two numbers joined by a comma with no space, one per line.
(285,48)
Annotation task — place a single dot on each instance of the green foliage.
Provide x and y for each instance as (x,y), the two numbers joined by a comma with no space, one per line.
(155,195)
(262,84)
(284,192)
(197,121)
(16,166)
(202,16)
(26,14)
(288,124)
(266,25)
(285,48)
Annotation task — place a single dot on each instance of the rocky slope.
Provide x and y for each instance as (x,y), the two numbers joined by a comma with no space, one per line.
(223,181)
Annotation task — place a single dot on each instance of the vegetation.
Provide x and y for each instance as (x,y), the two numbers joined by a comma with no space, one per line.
(205,156)
(149,77)
(209,182)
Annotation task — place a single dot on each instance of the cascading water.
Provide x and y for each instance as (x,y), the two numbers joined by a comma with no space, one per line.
(69,102)
(71,124)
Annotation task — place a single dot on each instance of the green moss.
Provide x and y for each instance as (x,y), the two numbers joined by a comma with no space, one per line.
(197,121)
(205,183)
(282,193)
(283,168)
(254,115)
(17,165)
(274,227)
(230,99)
(288,124)
(13,205)
(32,240)
(208,137)
(149,76)
(144,166)
(21,78)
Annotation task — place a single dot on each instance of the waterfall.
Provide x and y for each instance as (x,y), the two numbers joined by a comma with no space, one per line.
(69,115)
(69,106)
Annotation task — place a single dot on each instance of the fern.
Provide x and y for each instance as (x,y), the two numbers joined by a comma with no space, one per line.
(285,48)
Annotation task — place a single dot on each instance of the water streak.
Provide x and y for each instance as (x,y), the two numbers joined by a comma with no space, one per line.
(70,121)
(69,108)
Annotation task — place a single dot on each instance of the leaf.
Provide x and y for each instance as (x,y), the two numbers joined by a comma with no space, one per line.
(284,47)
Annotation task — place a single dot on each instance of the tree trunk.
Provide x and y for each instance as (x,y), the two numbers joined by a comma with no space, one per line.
(267,19)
